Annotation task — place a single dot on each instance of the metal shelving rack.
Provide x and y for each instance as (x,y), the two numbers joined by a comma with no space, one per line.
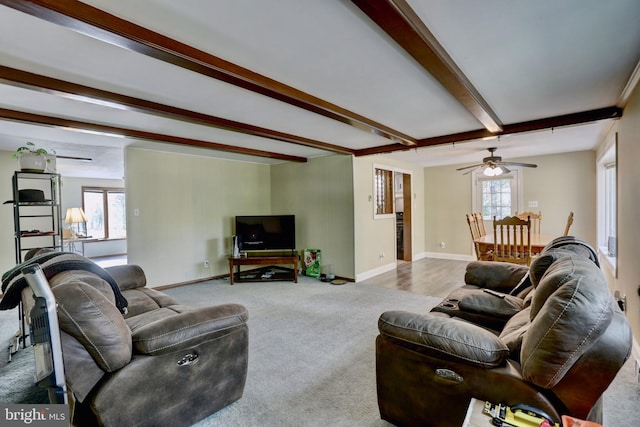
(37,224)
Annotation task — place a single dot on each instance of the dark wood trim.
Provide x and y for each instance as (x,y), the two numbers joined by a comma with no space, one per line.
(402,24)
(38,119)
(82,93)
(96,23)
(530,126)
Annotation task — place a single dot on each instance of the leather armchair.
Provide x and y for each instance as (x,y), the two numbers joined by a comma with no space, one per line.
(559,353)
(135,356)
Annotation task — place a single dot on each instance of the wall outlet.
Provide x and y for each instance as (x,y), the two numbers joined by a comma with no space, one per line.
(206,263)
(442,245)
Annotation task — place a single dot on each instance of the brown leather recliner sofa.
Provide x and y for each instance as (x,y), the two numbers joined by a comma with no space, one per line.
(558,349)
(133,355)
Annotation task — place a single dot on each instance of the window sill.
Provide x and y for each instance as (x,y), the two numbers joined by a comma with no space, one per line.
(609,263)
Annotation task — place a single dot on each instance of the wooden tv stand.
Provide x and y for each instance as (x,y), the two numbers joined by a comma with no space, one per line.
(264,260)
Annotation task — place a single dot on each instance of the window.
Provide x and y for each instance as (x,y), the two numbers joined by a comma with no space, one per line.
(496,196)
(383,183)
(610,207)
(105,211)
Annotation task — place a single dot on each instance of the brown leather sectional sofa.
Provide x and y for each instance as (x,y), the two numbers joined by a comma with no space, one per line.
(555,343)
(133,355)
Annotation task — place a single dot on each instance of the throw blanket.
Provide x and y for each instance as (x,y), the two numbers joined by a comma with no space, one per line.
(52,263)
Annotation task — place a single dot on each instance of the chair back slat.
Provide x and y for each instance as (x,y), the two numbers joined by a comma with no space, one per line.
(512,240)
(569,222)
(480,223)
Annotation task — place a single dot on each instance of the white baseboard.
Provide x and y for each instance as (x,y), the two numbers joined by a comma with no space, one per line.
(455,257)
(392,266)
(376,271)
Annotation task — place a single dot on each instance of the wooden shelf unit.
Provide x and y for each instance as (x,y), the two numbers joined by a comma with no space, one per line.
(263,260)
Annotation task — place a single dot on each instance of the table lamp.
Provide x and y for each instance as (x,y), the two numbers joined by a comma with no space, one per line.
(76,216)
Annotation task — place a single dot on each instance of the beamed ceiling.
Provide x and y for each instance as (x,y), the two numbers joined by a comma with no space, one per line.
(426,81)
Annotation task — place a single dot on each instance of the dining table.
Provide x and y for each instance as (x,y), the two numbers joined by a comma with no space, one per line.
(538,242)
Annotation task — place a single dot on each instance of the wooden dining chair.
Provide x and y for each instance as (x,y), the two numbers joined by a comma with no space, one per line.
(473,226)
(480,223)
(536,219)
(512,240)
(475,233)
(569,222)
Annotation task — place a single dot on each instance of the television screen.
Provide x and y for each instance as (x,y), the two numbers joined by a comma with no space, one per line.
(266,232)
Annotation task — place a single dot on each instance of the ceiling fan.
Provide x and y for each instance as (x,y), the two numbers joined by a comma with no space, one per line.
(494,165)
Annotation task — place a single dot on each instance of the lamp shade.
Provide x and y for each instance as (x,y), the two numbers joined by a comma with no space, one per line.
(74,216)
(492,171)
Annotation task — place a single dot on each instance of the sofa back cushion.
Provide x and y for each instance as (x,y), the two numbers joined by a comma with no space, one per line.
(84,276)
(570,310)
(87,315)
(128,276)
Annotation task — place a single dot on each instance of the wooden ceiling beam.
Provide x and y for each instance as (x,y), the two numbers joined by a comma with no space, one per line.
(92,95)
(529,126)
(96,23)
(37,119)
(404,26)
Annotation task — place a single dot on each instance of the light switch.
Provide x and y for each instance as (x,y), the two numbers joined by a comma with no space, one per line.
(533,203)
(136,212)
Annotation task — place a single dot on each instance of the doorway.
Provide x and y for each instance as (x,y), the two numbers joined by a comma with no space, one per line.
(403,210)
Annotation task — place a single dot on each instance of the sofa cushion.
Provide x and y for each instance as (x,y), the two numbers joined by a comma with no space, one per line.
(84,276)
(87,315)
(142,300)
(570,309)
(491,303)
(499,276)
(187,328)
(513,332)
(444,337)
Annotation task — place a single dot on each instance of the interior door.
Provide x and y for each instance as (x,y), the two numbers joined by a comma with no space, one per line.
(403,209)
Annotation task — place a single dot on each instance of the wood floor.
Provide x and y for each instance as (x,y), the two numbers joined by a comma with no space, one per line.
(428,276)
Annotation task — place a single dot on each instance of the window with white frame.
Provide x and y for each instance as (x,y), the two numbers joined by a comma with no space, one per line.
(610,207)
(608,203)
(105,211)
(497,196)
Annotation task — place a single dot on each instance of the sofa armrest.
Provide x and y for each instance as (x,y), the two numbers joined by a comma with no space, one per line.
(127,276)
(188,328)
(491,303)
(499,276)
(443,337)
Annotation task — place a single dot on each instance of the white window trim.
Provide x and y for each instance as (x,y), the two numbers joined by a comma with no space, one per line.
(607,153)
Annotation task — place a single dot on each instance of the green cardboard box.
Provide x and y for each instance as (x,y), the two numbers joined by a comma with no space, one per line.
(312,262)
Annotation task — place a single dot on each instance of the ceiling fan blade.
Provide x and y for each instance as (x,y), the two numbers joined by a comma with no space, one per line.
(471,170)
(526,165)
(503,168)
(469,167)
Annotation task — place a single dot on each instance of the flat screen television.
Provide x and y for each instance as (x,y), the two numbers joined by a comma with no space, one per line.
(266,232)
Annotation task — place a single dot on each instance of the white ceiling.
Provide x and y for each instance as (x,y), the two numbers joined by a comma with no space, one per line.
(527,60)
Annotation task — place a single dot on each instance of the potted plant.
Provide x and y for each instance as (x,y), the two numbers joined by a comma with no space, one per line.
(34,159)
